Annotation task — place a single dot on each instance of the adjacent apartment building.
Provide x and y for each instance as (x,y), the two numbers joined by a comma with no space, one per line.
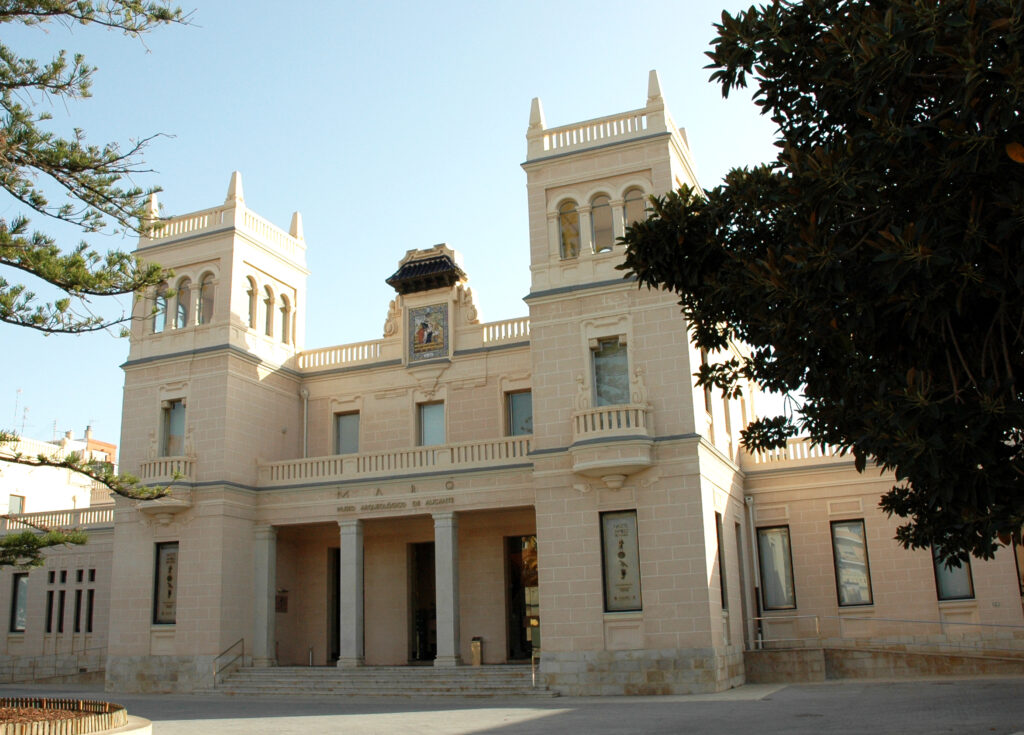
(554,486)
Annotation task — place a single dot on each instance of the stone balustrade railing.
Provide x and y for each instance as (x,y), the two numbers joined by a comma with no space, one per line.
(196,223)
(623,126)
(631,419)
(796,450)
(466,455)
(53,519)
(504,332)
(166,469)
(358,353)
(189,224)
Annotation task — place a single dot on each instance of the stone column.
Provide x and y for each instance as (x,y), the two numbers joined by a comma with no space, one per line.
(350,594)
(264,647)
(446,568)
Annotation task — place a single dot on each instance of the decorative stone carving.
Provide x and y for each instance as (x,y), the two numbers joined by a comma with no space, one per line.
(467,305)
(393,322)
(582,394)
(639,387)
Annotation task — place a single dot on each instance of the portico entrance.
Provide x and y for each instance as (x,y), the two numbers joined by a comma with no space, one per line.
(422,604)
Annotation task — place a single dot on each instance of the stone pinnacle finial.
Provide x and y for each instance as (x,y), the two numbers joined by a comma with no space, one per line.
(296,229)
(154,207)
(235,195)
(653,87)
(536,115)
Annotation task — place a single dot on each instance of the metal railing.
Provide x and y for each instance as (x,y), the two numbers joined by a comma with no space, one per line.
(52,665)
(850,631)
(231,657)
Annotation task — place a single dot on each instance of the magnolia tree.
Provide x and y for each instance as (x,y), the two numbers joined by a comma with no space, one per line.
(875,264)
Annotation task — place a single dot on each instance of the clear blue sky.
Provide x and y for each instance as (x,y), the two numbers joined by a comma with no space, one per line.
(389,125)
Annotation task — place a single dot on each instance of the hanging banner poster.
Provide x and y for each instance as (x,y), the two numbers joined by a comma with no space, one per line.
(621,554)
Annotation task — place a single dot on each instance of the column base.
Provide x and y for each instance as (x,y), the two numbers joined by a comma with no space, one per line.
(350,663)
(443,662)
(263,663)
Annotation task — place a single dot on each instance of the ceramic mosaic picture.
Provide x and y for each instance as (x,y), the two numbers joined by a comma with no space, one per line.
(428,332)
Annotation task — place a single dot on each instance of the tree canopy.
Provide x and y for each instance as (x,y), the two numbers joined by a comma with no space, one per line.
(876,263)
(69,180)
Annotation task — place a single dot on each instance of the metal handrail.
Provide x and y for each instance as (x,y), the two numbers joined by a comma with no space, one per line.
(980,644)
(44,663)
(219,669)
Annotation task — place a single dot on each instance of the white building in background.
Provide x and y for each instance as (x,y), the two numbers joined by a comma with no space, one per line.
(553,485)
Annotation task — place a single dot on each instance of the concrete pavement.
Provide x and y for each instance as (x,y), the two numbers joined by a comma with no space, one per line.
(990,706)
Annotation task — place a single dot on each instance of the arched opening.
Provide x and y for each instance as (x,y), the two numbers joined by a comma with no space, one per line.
(601,223)
(268,305)
(252,302)
(286,319)
(568,229)
(206,296)
(184,303)
(634,206)
(160,309)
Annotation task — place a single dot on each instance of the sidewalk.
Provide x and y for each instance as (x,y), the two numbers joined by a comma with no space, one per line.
(990,706)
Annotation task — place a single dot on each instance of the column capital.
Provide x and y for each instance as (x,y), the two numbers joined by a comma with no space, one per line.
(445,516)
(350,525)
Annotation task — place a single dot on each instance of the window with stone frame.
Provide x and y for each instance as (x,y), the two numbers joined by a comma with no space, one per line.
(430,424)
(346,433)
(204,312)
(172,436)
(951,582)
(183,304)
(568,230)
(776,561)
(601,223)
(519,410)
(853,572)
(611,371)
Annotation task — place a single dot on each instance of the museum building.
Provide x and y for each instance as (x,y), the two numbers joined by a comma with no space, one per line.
(551,487)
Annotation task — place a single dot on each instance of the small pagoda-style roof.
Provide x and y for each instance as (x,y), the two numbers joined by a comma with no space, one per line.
(424,270)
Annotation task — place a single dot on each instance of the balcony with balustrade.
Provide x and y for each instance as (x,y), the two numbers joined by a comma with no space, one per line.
(479,455)
(612,442)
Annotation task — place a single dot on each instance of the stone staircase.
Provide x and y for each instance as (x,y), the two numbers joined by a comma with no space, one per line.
(404,681)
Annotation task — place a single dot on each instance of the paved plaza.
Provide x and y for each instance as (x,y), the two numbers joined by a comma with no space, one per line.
(991,706)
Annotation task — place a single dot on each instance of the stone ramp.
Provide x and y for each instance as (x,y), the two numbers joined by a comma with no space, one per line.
(402,681)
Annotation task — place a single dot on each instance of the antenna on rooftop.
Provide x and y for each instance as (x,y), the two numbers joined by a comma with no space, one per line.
(24,418)
(17,403)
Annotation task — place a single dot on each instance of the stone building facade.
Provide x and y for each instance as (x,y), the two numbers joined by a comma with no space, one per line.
(553,486)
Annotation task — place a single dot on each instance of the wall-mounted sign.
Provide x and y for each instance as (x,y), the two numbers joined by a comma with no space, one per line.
(165,602)
(428,332)
(621,556)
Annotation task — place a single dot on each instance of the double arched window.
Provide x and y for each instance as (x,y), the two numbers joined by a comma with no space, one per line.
(568,229)
(601,223)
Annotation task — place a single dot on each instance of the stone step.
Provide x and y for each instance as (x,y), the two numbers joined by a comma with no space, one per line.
(464,681)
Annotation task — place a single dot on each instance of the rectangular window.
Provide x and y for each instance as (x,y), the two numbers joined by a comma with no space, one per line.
(90,601)
(49,611)
(953,583)
(165,591)
(776,558)
(850,551)
(346,433)
(16,504)
(611,373)
(173,437)
(79,574)
(520,413)
(431,424)
(61,599)
(92,575)
(719,537)
(19,602)
(63,576)
(78,611)
(620,554)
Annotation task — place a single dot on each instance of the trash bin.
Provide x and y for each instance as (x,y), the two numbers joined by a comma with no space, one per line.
(476,647)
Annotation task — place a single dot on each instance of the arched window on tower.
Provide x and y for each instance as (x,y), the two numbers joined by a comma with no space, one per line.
(634,206)
(160,309)
(601,223)
(205,310)
(184,303)
(268,305)
(568,229)
(252,302)
(286,320)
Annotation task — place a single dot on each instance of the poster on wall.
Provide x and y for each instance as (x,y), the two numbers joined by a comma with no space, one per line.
(621,554)
(166,597)
(428,332)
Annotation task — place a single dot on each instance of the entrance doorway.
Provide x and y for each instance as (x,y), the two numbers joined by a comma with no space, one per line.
(422,604)
(333,605)
(522,597)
